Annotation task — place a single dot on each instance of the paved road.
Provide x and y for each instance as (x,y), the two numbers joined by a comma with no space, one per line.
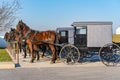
(62,73)
(43,70)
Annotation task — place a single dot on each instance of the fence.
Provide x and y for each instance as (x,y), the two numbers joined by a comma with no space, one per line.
(13,50)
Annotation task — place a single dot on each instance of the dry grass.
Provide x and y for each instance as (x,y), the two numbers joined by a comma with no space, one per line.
(116,38)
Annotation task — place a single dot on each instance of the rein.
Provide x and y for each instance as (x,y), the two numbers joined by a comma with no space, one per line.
(26,35)
(34,35)
(47,42)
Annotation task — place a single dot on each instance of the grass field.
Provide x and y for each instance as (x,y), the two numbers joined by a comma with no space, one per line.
(4,56)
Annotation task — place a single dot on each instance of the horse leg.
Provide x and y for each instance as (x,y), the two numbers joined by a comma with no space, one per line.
(53,53)
(20,47)
(25,54)
(38,56)
(31,51)
(28,50)
(57,50)
(42,54)
(33,57)
(43,51)
(36,52)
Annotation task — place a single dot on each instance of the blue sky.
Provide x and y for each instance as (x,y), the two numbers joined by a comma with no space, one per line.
(50,14)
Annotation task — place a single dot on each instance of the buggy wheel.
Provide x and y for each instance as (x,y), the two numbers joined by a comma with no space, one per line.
(109,54)
(69,54)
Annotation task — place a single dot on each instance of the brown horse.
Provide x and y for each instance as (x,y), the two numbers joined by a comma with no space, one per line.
(9,36)
(6,36)
(36,38)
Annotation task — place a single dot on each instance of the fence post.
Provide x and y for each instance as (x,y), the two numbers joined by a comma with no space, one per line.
(17,53)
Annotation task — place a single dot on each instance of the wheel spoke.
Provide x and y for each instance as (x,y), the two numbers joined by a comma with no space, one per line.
(110,54)
(69,53)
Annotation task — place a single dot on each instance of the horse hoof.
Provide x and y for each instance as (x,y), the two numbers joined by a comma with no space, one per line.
(31,61)
(58,59)
(52,62)
(37,59)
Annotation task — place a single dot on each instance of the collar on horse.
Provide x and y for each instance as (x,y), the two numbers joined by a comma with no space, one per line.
(34,35)
(26,35)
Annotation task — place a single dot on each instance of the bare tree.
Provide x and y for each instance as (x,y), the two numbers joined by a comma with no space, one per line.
(8,12)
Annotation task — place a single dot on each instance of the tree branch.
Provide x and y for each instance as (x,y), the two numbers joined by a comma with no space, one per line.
(7,14)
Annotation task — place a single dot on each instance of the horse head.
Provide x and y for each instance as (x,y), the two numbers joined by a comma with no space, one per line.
(19,26)
(10,36)
(22,28)
(6,36)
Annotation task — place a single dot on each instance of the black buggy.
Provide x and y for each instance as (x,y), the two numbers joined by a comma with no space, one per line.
(86,38)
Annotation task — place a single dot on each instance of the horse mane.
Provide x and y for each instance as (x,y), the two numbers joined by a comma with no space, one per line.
(27,27)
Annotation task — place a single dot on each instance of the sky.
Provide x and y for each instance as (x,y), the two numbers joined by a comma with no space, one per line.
(50,14)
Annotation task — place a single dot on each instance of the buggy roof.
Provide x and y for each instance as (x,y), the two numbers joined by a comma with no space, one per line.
(77,24)
(65,28)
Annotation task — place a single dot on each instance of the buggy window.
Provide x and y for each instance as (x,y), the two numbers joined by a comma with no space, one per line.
(63,33)
(81,30)
(64,36)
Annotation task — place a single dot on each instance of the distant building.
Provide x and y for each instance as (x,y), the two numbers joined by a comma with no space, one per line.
(118,30)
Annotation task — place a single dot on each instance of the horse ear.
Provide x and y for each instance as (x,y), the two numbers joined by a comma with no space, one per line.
(11,29)
(21,20)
